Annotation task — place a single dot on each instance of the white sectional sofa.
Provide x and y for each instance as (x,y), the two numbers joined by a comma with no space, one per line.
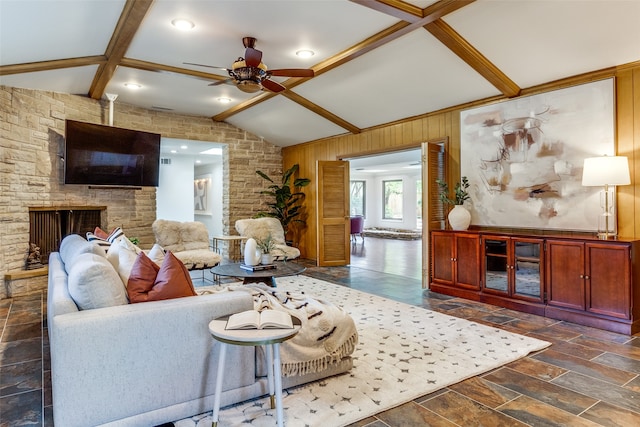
(141,364)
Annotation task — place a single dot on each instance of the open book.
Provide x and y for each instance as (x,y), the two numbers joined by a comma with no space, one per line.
(267,319)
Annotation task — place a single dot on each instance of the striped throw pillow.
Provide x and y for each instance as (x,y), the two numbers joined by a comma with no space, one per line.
(106,243)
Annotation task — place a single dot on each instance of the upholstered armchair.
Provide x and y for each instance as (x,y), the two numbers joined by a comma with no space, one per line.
(260,228)
(188,241)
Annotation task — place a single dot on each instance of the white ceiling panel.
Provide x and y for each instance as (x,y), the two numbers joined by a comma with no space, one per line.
(40,30)
(535,42)
(367,74)
(176,92)
(75,81)
(284,123)
(281,29)
(404,78)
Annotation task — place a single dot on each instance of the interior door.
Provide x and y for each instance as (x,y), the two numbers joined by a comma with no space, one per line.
(433,168)
(333,213)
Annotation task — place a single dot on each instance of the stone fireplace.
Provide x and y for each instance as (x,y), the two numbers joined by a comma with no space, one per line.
(48,226)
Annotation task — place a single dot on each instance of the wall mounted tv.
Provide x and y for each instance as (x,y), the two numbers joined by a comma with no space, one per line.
(110,156)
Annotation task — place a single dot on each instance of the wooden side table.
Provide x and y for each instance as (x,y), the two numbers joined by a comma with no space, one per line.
(234,246)
(271,338)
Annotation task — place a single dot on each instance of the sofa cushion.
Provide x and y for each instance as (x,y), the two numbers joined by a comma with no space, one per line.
(94,283)
(99,232)
(148,282)
(116,234)
(156,254)
(122,254)
(74,245)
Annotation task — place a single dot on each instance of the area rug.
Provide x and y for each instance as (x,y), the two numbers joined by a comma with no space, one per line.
(404,352)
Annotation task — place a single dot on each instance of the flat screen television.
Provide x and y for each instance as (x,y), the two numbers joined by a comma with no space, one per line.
(110,156)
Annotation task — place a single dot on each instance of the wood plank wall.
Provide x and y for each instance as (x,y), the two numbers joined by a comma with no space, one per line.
(446,123)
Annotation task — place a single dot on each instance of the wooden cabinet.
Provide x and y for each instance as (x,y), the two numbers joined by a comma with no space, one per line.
(578,279)
(456,260)
(595,277)
(513,267)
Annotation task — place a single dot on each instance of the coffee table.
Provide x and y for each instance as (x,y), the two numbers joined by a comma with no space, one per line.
(266,276)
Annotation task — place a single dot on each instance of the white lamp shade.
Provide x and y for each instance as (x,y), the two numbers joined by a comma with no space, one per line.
(606,170)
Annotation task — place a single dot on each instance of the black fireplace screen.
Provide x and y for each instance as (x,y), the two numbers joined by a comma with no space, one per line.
(47,228)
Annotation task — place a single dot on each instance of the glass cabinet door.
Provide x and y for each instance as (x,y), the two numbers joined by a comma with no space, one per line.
(496,265)
(527,268)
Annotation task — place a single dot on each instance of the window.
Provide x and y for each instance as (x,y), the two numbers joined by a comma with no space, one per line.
(392,199)
(357,198)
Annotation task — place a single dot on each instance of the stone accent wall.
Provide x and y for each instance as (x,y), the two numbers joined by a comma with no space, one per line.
(32,125)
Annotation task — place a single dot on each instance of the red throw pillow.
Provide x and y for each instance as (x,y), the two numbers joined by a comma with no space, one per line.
(148,282)
(99,232)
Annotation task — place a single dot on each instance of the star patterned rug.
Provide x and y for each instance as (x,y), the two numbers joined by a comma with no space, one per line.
(404,352)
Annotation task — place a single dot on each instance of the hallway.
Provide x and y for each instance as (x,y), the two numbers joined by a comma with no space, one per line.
(398,257)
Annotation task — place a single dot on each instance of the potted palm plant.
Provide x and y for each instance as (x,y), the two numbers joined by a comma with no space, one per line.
(459,217)
(285,197)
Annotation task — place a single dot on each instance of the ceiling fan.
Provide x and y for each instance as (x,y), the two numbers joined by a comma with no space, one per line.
(251,75)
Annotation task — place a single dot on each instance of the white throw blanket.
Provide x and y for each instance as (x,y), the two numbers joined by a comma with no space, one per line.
(327,333)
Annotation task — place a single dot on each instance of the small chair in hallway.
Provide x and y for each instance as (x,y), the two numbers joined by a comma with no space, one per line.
(357,227)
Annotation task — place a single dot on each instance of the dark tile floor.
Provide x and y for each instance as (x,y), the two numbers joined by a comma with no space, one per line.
(588,377)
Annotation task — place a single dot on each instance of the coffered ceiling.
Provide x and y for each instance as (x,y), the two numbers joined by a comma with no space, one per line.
(375,62)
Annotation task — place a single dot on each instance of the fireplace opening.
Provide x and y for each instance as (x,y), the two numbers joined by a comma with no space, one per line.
(48,226)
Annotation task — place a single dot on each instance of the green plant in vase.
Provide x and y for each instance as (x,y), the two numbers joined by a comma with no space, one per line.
(459,217)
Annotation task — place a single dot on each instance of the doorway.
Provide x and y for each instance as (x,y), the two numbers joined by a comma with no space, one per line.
(386,189)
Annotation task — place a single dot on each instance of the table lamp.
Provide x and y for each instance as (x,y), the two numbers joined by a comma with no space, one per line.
(606,171)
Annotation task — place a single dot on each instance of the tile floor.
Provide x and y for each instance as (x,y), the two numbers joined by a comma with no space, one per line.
(588,377)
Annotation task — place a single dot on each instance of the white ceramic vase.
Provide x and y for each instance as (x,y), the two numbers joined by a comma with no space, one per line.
(252,254)
(459,218)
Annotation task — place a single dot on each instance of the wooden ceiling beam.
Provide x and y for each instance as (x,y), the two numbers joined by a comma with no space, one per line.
(447,36)
(383,37)
(320,111)
(56,64)
(162,68)
(469,54)
(130,20)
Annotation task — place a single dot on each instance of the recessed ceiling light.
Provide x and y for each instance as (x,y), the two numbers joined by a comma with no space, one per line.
(198,161)
(183,24)
(184,147)
(224,100)
(132,85)
(174,151)
(305,53)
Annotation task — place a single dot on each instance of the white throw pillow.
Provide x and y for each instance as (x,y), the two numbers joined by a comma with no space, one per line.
(74,245)
(156,254)
(94,283)
(122,254)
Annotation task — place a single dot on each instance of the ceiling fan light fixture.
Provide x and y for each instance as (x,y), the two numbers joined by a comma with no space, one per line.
(224,100)
(183,24)
(305,53)
(133,86)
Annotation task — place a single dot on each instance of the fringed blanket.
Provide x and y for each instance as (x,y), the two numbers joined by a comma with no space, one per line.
(327,333)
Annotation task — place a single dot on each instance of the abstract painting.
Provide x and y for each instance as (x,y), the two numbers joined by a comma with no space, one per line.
(524,157)
(201,195)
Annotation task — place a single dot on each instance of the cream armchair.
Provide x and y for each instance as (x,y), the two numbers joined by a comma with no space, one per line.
(188,241)
(260,228)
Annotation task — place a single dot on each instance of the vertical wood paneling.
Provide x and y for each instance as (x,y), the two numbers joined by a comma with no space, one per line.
(447,124)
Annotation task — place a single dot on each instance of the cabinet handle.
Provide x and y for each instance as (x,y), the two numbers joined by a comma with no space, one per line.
(582,276)
(587,277)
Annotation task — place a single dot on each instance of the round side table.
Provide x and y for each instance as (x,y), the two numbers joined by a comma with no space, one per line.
(271,338)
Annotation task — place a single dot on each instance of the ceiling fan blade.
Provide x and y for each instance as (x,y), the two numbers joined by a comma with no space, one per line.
(272,86)
(292,72)
(252,57)
(219,82)
(208,66)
